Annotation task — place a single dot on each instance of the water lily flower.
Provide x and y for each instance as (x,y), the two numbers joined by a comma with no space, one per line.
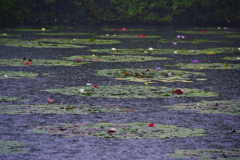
(195,61)
(175,52)
(178,91)
(27,63)
(182,37)
(93,55)
(174,43)
(150,49)
(178,36)
(88,84)
(113,49)
(107,35)
(151,125)
(4,34)
(139,35)
(112,130)
(55,20)
(81,90)
(78,58)
(238,49)
(114,35)
(116,29)
(158,68)
(95,86)
(43,29)
(219,28)
(146,83)
(28,43)
(169,74)
(124,29)
(193,51)
(218,31)
(204,31)
(238,58)
(143,35)
(145,51)
(225,28)
(49,100)
(6,76)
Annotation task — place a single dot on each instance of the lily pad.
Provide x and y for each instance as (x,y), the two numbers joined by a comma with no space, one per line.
(61,109)
(207,154)
(30,29)
(233,58)
(126,29)
(7,99)
(121,131)
(19,74)
(12,147)
(207,66)
(79,41)
(205,32)
(9,35)
(64,34)
(146,75)
(168,51)
(36,44)
(43,62)
(113,58)
(127,36)
(218,107)
(233,36)
(194,41)
(130,91)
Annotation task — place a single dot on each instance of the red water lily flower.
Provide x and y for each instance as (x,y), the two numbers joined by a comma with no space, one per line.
(78,58)
(112,130)
(151,125)
(218,31)
(49,100)
(124,29)
(27,63)
(95,60)
(116,29)
(143,35)
(95,86)
(139,35)
(178,91)
(204,31)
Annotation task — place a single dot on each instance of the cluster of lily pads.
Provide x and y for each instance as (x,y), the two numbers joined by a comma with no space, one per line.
(131,91)
(61,109)
(114,58)
(147,75)
(120,131)
(19,74)
(127,36)
(167,51)
(206,66)
(205,32)
(207,154)
(7,99)
(8,147)
(218,107)
(45,62)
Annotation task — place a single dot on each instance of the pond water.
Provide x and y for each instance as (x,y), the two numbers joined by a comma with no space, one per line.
(221,129)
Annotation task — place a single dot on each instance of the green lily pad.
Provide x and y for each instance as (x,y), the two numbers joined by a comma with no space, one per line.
(167,51)
(44,62)
(218,107)
(30,29)
(9,35)
(207,154)
(7,99)
(146,75)
(233,58)
(12,147)
(36,44)
(122,131)
(204,32)
(64,34)
(127,36)
(19,74)
(127,29)
(61,109)
(207,66)
(130,91)
(233,36)
(79,41)
(113,58)
(194,41)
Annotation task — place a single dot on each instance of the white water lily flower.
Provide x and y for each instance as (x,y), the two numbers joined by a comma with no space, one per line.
(219,27)
(6,76)
(88,84)
(175,52)
(114,35)
(238,57)
(107,35)
(150,49)
(43,29)
(225,27)
(238,49)
(145,51)
(113,49)
(81,90)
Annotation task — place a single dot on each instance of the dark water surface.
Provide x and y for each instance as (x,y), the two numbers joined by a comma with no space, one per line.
(151,110)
